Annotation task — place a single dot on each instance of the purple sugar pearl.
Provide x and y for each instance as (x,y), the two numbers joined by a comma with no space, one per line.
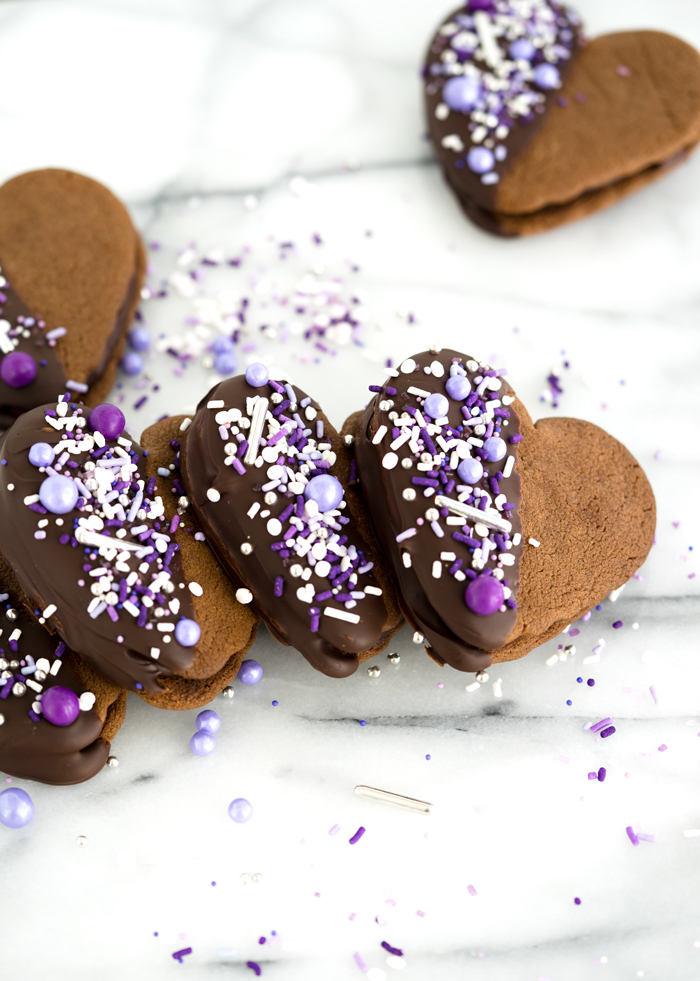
(458,387)
(480,160)
(521,50)
(250,672)
(187,632)
(108,420)
(16,808)
(225,363)
(240,810)
(436,405)
(202,743)
(132,363)
(470,471)
(326,490)
(60,706)
(546,76)
(139,339)
(484,595)
(41,455)
(208,721)
(222,345)
(257,375)
(495,449)
(461,93)
(18,369)
(58,494)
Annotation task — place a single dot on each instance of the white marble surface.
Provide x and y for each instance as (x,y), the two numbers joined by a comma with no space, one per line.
(187,108)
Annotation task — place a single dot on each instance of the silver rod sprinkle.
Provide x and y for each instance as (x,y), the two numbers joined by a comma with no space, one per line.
(372,793)
(256,429)
(489,518)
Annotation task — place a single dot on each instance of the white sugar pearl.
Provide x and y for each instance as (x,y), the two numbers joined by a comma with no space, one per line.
(408,366)
(274,527)
(322,569)
(244,596)
(213,495)
(389,461)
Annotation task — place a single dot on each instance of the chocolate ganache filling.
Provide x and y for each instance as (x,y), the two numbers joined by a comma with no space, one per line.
(63,746)
(259,465)
(492,72)
(436,453)
(86,537)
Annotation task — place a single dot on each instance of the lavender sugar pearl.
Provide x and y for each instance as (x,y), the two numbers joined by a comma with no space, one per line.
(41,455)
(58,494)
(187,632)
(250,672)
(202,743)
(257,375)
(139,339)
(325,490)
(132,363)
(484,595)
(208,721)
(18,369)
(522,49)
(225,363)
(480,160)
(240,810)
(60,706)
(458,387)
(546,76)
(461,93)
(222,345)
(16,808)
(108,420)
(436,405)
(470,471)
(495,449)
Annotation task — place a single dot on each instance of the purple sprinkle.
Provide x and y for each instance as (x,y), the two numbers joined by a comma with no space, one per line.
(358,834)
(182,953)
(602,773)
(617,624)
(254,967)
(593,775)
(279,586)
(631,835)
(238,466)
(608,732)
(392,950)
(360,963)
(600,725)
(516,438)
(663,747)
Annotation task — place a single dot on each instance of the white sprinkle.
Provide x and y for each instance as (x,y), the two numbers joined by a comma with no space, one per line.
(692,833)
(475,686)
(517,538)
(213,495)
(552,660)
(215,404)
(155,653)
(184,425)
(75,386)
(31,499)
(331,611)
(406,559)
(508,399)
(408,366)
(437,368)
(166,628)
(533,542)
(86,701)
(508,469)
(506,558)
(418,391)
(195,589)
(406,534)
(437,569)
(389,461)
(497,691)
(50,610)
(257,424)
(591,659)
(274,527)
(33,684)
(131,608)
(490,518)
(615,593)
(373,590)
(376,439)
(447,556)
(253,509)
(244,596)
(400,440)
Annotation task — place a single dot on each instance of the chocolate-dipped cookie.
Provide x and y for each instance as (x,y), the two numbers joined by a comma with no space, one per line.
(266,476)
(499,533)
(71,269)
(57,715)
(534,127)
(86,535)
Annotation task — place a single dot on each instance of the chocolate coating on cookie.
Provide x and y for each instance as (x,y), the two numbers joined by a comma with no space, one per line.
(84,534)
(259,466)
(72,266)
(31,747)
(436,453)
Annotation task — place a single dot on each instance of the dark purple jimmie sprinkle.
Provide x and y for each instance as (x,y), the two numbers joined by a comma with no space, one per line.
(60,650)
(508,507)
(390,391)
(37,507)
(502,413)
(516,438)
(287,513)
(7,688)
(123,590)
(466,540)
(511,604)
(471,399)
(299,507)
(375,388)
(150,486)
(142,617)
(602,773)
(279,586)
(322,597)
(275,386)
(396,951)
(242,447)
(608,732)
(281,407)
(482,503)
(429,445)
(172,548)
(425,482)
(456,566)
(493,484)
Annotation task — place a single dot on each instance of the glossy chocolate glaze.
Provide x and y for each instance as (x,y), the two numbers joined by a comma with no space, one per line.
(34,749)
(434,606)
(466,184)
(334,648)
(48,572)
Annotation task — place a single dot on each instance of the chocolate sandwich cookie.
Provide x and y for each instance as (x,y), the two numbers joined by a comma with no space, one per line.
(534,127)
(85,533)
(57,715)
(266,477)
(71,269)
(499,533)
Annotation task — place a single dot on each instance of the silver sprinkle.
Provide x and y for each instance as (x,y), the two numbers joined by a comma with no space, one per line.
(407,463)
(270,498)
(112,761)
(228,692)
(18,688)
(373,671)
(11,614)
(183,502)
(410,803)
(394,657)
(348,439)
(409,494)
(39,676)
(418,637)
(482,677)
(246,548)
(81,841)
(569,650)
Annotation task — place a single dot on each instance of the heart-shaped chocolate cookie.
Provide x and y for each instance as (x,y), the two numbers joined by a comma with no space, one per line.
(86,534)
(58,715)
(499,533)
(71,269)
(267,479)
(534,127)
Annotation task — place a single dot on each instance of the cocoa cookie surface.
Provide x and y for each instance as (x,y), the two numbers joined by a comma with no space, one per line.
(72,266)
(499,533)
(266,475)
(58,715)
(534,127)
